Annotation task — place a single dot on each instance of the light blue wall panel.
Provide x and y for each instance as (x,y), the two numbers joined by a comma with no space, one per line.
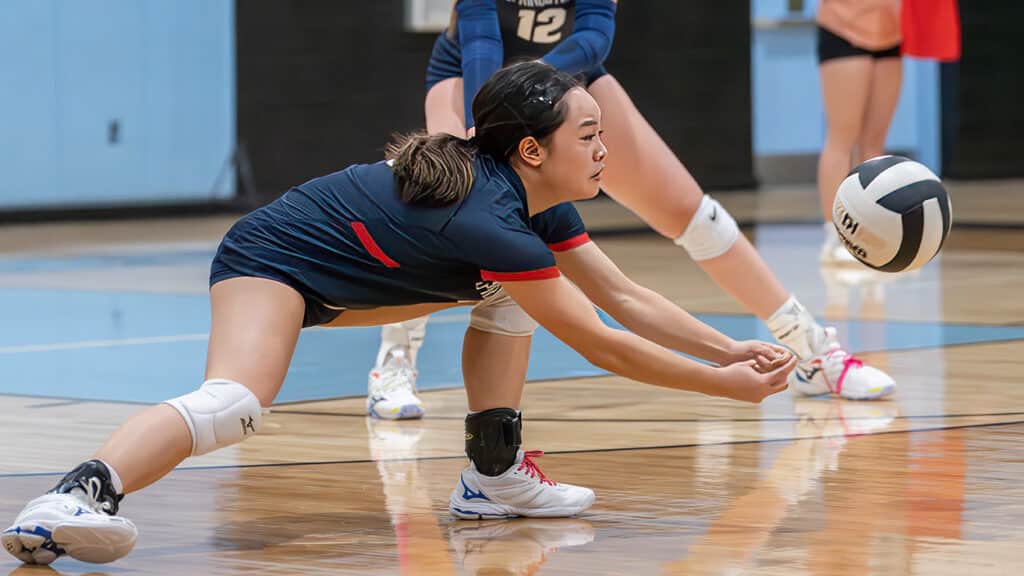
(788,116)
(28,101)
(101,62)
(115,102)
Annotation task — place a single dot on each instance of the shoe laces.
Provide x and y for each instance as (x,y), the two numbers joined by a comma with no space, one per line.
(92,495)
(849,361)
(531,468)
(397,379)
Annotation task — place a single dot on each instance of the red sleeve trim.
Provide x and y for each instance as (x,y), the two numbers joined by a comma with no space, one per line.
(371,245)
(540,274)
(571,243)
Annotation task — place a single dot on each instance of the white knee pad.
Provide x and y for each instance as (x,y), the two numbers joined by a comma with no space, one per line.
(711,232)
(500,314)
(219,414)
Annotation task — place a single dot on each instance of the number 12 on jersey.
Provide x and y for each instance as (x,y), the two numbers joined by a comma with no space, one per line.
(543,26)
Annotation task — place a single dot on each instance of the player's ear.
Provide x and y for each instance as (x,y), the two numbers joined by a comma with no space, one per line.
(531,152)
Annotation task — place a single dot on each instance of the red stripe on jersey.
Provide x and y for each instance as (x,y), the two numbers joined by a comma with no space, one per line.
(571,243)
(540,274)
(371,245)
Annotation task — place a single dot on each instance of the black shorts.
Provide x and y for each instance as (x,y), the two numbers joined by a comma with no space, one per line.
(446,62)
(237,258)
(831,46)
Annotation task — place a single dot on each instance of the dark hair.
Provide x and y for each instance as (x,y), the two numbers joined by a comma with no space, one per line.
(524,99)
(520,100)
(432,169)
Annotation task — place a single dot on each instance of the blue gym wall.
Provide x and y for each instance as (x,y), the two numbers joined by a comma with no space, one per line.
(788,116)
(114,102)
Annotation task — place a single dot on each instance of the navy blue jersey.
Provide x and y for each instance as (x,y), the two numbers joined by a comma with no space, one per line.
(531,28)
(347,240)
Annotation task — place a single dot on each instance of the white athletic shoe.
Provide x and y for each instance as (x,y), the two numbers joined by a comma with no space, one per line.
(519,546)
(57,524)
(836,371)
(392,391)
(522,490)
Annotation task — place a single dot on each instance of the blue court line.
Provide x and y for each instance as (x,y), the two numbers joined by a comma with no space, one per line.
(141,347)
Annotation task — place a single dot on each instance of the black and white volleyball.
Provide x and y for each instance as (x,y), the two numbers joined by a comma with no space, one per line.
(892,213)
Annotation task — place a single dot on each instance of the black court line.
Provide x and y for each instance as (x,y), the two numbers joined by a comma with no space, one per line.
(682,420)
(555,452)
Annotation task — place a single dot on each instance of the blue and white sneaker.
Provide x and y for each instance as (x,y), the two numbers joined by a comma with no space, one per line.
(57,524)
(522,490)
(391,391)
(78,518)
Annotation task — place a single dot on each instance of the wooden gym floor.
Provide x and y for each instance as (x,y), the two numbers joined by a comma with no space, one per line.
(101,318)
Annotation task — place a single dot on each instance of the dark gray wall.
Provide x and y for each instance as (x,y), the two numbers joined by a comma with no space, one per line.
(686,65)
(983,119)
(323,83)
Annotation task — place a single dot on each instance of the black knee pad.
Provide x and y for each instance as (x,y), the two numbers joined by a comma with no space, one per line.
(93,479)
(493,438)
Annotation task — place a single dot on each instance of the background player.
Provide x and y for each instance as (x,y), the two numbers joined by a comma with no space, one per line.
(861,71)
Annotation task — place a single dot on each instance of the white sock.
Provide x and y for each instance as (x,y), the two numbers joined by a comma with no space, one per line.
(405,336)
(114,478)
(794,327)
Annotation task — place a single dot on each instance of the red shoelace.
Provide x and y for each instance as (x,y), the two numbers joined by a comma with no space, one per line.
(850,361)
(531,467)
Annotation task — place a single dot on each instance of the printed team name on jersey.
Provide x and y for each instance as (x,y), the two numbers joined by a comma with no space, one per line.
(538,3)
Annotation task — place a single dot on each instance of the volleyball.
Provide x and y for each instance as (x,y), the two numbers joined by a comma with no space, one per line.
(892,213)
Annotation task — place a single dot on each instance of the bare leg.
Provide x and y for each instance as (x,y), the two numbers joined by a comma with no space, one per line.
(255,326)
(641,172)
(389,314)
(443,108)
(886,78)
(644,175)
(494,369)
(845,86)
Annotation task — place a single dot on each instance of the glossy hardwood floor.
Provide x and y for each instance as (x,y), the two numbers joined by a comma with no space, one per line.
(928,482)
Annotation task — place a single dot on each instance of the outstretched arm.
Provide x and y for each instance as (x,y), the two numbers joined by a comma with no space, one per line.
(651,315)
(565,312)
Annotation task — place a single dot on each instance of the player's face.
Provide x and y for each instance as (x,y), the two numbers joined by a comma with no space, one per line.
(575,158)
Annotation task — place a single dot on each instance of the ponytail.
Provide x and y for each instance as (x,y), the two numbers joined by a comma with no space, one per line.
(432,169)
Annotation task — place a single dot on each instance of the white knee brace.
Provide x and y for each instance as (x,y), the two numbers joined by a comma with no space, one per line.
(499,314)
(711,232)
(219,414)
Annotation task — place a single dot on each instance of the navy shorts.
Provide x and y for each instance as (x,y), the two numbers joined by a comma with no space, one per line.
(831,46)
(238,258)
(446,62)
